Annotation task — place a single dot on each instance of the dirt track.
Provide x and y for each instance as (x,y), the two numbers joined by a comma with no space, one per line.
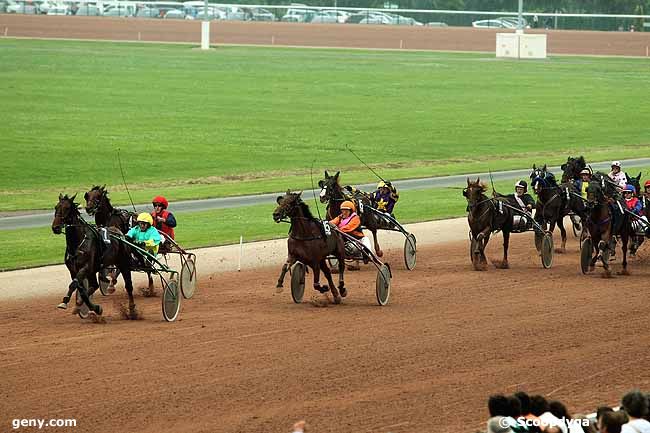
(244,359)
(313,35)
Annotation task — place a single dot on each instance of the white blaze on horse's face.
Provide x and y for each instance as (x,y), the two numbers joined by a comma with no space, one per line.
(323,192)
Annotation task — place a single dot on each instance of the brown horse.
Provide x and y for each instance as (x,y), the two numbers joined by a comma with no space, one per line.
(486,215)
(603,225)
(332,194)
(98,204)
(68,218)
(309,244)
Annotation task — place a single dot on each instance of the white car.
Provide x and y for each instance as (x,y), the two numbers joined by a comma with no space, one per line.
(58,10)
(331,16)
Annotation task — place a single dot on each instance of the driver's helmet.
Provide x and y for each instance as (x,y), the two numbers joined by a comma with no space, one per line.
(585,171)
(629,188)
(145,218)
(646,184)
(522,184)
(348,205)
(616,164)
(382,184)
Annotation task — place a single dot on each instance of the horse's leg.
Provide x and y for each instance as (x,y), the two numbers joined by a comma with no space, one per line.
(330,281)
(316,267)
(378,250)
(604,246)
(283,272)
(506,243)
(69,263)
(625,237)
(560,224)
(483,238)
(78,285)
(150,286)
(128,285)
(341,269)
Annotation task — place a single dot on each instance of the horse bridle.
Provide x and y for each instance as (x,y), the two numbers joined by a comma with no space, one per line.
(96,204)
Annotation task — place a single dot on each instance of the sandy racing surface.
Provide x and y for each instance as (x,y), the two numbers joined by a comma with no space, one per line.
(245,359)
(313,35)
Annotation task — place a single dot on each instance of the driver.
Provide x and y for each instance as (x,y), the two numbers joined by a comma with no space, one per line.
(145,234)
(582,183)
(385,197)
(349,222)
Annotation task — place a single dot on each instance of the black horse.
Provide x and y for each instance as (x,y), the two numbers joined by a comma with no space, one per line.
(333,194)
(486,215)
(68,218)
(94,254)
(604,222)
(571,169)
(310,244)
(554,202)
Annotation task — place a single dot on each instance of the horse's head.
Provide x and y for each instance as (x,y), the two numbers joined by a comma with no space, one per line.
(595,193)
(288,206)
(572,168)
(474,191)
(329,187)
(64,210)
(541,178)
(94,198)
(635,182)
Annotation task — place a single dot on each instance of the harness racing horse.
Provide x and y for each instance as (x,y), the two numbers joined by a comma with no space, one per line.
(603,226)
(571,168)
(67,216)
(551,206)
(98,204)
(309,244)
(92,255)
(332,194)
(485,216)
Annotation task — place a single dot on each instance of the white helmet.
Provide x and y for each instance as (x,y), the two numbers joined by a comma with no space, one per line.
(616,164)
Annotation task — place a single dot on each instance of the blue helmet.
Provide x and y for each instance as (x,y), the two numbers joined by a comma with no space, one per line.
(630,188)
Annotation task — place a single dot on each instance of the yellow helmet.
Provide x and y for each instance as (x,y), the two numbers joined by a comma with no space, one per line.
(381,184)
(348,205)
(145,218)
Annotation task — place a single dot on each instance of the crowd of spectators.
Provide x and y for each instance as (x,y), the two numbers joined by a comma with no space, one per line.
(521,413)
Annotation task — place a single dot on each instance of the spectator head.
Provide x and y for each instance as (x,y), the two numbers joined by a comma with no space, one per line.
(601,410)
(558,409)
(515,407)
(635,404)
(524,399)
(588,426)
(538,405)
(498,424)
(498,405)
(611,422)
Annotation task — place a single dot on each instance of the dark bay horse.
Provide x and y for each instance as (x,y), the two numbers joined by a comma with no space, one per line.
(333,194)
(98,204)
(552,205)
(485,216)
(309,244)
(68,218)
(603,226)
(571,169)
(94,254)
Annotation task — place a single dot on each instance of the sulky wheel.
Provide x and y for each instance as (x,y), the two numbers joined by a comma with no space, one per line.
(297,282)
(382,286)
(547,250)
(188,278)
(171,300)
(410,251)
(586,251)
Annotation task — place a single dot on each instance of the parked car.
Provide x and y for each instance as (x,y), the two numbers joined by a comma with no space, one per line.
(377,19)
(436,24)
(499,23)
(259,14)
(20,8)
(58,10)
(331,16)
(299,16)
(399,20)
(120,11)
(174,14)
(213,14)
(87,10)
(234,13)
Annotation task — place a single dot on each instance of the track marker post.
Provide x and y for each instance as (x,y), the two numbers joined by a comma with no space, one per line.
(241,248)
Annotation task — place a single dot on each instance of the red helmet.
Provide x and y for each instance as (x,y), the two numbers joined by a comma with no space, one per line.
(646,184)
(162,200)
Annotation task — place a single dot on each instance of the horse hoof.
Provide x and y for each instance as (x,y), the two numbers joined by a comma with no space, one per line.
(343,291)
(337,300)
(62,306)
(380,253)
(279,289)
(98,310)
